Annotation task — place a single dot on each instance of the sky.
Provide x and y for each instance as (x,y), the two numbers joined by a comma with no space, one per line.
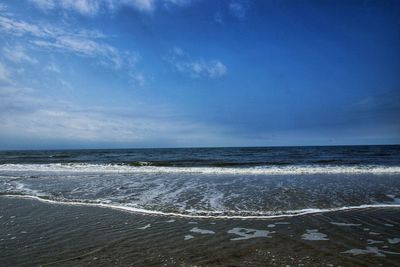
(195,73)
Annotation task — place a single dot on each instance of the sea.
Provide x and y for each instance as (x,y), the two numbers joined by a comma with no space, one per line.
(245,206)
(243,182)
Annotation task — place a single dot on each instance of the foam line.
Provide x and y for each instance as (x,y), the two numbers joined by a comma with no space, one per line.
(260,170)
(290,213)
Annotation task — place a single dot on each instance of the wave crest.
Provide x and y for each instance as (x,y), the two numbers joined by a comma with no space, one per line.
(259,170)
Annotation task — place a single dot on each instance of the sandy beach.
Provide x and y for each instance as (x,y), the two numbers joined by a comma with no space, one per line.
(34,233)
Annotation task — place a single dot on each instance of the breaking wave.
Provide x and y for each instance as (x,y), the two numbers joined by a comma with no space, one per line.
(259,170)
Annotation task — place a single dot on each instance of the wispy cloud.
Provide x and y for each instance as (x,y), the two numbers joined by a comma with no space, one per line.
(77,41)
(94,7)
(4,73)
(238,9)
(18,54)
(168,4)
(53,68)
(3,7)
(196,68)
(85,7)
(218,18)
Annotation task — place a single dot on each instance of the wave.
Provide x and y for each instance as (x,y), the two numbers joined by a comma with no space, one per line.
(259,170)
(203,214)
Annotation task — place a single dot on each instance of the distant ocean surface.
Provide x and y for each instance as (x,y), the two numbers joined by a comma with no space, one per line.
(256,182)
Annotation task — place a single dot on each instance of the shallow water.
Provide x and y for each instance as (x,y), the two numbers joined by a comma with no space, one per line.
(220,182)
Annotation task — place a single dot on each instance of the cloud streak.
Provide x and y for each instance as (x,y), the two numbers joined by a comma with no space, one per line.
(18,54)
(238,9)
(4,73)
(80,42)
(196,68)
(94,7)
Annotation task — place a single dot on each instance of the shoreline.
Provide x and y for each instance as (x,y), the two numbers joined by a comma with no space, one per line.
(296,213)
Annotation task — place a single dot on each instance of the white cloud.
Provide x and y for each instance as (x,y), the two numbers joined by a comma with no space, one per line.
(85,7)
(218,18)
(81,46)
(80,42)
(138,78)
(168,4)
(53,68)
(179,2)
(196,68)
(237,9)
(202,68)
(17,54)
(19,28)
(4,73)
(3,7)
(141,5)
(44,4)
(94,7)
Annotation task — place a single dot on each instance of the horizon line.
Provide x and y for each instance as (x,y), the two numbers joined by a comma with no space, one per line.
(193,147)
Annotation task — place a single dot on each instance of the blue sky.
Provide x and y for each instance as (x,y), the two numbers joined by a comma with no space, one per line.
(177,73)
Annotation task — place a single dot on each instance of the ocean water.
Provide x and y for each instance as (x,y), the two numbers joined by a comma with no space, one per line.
(209,182)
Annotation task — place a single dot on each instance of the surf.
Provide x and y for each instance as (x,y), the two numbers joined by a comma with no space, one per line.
(259,170)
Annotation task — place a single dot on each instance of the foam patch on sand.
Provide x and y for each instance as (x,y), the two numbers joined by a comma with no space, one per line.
(370,250)
(394,240)
(371,241)
(187,237)
(314,235)
(374,233)
(145,227)
(345,224)
(247,233)
(202,231)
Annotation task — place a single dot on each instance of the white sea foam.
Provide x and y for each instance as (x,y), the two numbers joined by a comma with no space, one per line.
(145,227)
(371,241)
(217,215)
(247,233)
(314,235)
(260,170)
(374,233)
(345,224)
(394,240)
(187,237)
(370,250)
(202,231)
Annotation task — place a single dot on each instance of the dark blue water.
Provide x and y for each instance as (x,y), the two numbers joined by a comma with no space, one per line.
(219,157)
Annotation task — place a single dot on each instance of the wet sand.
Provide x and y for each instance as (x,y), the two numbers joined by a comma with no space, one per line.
(35,233)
